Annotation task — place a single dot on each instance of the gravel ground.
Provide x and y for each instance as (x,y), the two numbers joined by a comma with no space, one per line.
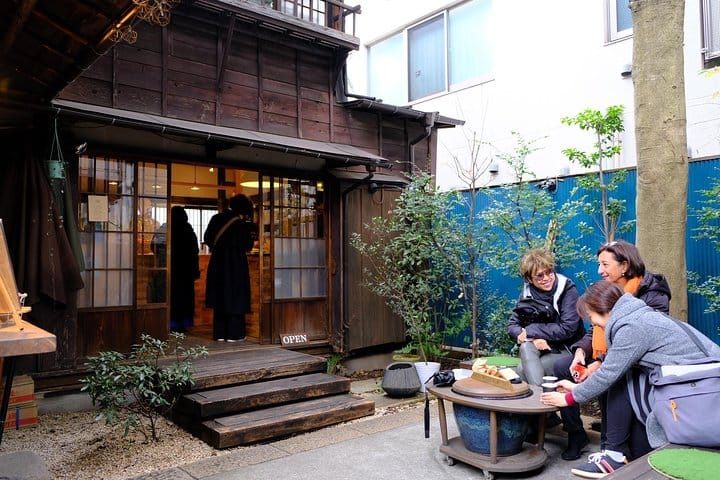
(76,446)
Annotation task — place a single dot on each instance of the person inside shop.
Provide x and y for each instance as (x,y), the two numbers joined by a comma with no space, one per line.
(184,270)
(230,234)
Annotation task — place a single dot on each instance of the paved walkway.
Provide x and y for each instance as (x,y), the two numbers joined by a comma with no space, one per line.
(388,446)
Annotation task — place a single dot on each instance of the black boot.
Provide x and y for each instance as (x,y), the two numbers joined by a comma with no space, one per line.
(577,441)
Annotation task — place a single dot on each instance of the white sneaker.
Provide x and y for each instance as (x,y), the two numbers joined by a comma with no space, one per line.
(220,340)
(231,340)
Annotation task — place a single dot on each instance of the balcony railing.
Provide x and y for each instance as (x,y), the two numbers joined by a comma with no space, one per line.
(327,13)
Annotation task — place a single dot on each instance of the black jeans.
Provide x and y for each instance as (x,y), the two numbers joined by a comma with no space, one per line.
(623,431)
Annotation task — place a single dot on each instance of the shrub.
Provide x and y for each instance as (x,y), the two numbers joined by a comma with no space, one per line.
(137,390)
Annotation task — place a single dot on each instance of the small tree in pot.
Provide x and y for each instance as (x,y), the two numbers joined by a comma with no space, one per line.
(406,270)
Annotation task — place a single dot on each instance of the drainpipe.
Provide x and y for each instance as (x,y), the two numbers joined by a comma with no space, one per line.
(430,119)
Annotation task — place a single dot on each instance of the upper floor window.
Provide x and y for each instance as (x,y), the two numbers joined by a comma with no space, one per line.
(711,30)
(619,23)
(439,54)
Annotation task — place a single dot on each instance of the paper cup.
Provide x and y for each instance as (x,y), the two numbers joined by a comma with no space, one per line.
(549,387)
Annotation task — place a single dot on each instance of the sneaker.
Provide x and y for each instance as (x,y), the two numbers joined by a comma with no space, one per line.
(232,340)
(598,466)
(219,339)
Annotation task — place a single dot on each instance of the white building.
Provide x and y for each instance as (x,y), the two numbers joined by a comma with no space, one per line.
(522,65)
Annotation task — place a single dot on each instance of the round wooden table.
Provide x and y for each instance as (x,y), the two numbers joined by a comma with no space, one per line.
(529,458)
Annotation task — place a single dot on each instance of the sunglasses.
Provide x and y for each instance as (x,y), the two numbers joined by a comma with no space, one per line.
(540,275)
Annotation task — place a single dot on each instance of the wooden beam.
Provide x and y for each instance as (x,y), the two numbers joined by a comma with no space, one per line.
(226,50)
(16,25)
(61,28)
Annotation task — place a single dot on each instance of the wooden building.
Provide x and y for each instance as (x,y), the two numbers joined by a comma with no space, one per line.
(128,117)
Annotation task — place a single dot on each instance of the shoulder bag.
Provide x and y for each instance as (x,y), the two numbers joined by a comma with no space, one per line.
(685,398)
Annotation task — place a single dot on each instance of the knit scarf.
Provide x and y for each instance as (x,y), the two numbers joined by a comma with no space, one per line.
(599,346)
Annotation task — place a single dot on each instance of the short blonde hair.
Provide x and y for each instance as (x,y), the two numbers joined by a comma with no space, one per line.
(536,260)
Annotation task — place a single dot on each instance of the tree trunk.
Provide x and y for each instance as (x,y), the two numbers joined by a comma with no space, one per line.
(661,140)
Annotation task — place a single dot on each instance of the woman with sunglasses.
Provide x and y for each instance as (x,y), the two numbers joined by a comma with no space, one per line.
(544,339)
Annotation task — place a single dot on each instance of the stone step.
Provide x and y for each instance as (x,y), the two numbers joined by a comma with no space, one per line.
(284,420)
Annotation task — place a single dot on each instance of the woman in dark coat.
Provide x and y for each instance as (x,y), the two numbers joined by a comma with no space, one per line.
(230,234)
(184,270)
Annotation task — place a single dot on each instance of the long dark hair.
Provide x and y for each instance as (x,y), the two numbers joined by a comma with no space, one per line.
(624,251)
(600,297)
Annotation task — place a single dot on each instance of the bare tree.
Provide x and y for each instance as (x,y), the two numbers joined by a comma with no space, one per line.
(661,139)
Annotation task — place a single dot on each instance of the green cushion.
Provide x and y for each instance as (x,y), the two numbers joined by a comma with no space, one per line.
(502,361)
(686,463)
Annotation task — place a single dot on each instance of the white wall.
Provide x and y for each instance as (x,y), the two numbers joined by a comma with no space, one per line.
(551,61)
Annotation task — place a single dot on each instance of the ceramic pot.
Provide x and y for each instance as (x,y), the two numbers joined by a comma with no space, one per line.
(425,370)
(474,427)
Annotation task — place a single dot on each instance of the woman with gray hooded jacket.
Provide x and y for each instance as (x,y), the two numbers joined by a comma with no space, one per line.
(639,339)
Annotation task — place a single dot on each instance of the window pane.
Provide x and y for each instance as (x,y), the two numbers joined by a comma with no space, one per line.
(287,252)
(287,283)
(470,41)
(100,288)
(385,57)
(84,298)
(624,15)
(712,28)
(313,253)
(313,282)
(126,287)
(426,52)
(101,248)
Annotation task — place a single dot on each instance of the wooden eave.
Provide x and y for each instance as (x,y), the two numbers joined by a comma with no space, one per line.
(46,44)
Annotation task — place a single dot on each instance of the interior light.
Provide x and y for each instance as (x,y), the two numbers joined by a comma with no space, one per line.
(195,188)
(156,186)
(255,184)
(113,182)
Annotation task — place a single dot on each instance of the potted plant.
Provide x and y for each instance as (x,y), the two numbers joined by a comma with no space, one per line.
(403,269)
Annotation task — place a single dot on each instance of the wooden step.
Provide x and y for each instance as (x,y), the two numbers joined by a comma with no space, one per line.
(239,398)
(281,421)
(245,366)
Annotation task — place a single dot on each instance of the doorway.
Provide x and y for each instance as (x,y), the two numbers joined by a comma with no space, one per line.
(288,273)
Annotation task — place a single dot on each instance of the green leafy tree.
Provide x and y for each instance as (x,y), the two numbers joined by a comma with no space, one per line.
(463,239)
(137,390)
(606,127)
(525,215)
(708,216)
(403,267)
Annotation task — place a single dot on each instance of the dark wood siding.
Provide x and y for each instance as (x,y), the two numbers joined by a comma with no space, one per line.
(369,321)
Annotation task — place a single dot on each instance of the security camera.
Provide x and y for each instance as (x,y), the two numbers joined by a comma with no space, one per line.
(626,70)
(373,187)
(494,167)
